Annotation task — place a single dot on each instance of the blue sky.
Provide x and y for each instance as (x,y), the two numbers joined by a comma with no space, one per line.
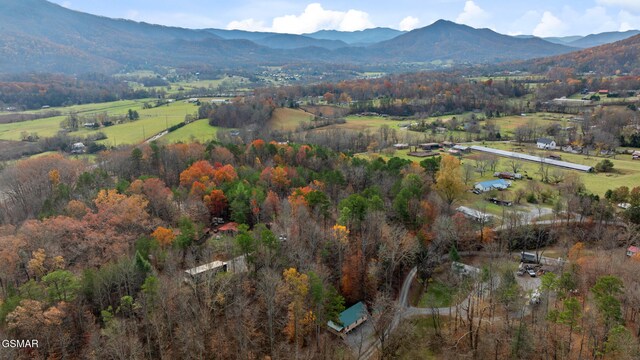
(538,17)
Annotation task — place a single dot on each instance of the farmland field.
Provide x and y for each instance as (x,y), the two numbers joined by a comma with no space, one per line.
(288,119)
(151,122)
(199,130)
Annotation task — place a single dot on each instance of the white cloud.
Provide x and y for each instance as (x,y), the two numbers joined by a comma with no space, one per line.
(550,25)
(247,24)
(409,23)
(314,18)
(66,4)
(628,21)
(473,15)
(633,5)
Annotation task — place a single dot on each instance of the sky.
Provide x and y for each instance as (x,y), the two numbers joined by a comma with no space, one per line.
(542,18)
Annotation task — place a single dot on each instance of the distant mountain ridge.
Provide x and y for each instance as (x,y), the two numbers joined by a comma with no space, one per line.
(445,40)
(620,57)
(38,36)
(360,37)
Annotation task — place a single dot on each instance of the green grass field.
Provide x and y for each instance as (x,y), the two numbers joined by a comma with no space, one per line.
(196,131)
(227,82)
(627,171)
(151,122)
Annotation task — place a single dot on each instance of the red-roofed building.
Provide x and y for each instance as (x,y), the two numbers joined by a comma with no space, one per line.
(229,228)
(632,250)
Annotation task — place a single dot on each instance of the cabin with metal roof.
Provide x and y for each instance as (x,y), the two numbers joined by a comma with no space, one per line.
(350,319)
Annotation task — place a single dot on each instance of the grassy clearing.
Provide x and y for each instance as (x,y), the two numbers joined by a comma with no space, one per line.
(48,127)
(151,122)
(288,119)
(228,82)
(441,294)
(438,295)
(196,131)
(627,171)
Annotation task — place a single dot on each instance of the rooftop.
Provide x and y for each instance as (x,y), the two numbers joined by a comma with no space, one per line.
(545,141)
(493,183)
(206,267)
(349,316)
(564,164)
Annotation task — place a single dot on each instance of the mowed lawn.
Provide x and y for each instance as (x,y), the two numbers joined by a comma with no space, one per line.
(199,130)
(509,124)
(627,171)
(48,127)
(287,119)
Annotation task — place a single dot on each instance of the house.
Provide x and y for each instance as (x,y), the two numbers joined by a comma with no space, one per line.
(447,144)
(633,250)
(401,146)
(230,228)
(500,184)
(350,319)
(603,92)
(545,143)
(635,155)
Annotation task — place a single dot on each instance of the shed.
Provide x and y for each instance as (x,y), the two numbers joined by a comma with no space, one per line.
(429,146)
(474,214)
(632,250)
(211,268)
(461,148)
(350,318)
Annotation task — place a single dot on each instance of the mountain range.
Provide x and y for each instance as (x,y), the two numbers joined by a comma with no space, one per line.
(39,36)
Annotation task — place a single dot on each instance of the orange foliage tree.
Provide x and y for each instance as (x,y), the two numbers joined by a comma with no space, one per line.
(163,236)
(200,171)
(216,202)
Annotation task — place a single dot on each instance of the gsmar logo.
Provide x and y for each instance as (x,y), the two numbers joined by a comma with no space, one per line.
(19,344)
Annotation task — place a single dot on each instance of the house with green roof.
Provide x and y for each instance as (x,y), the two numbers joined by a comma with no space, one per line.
(350,319)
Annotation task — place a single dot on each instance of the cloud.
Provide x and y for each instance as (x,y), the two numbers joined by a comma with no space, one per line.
(633,5)
(550,26)
(473,15)
(409,23)
(313,18)
(66,4)
(247,24)
(628,21)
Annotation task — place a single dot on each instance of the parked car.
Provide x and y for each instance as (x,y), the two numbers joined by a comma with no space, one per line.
(531,272)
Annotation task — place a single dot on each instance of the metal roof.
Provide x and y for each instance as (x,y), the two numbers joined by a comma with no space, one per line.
(564,164)
(206,267)
(494,183)
(349,316)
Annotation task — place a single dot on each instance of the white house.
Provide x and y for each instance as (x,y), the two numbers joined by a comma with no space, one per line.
(544,143)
